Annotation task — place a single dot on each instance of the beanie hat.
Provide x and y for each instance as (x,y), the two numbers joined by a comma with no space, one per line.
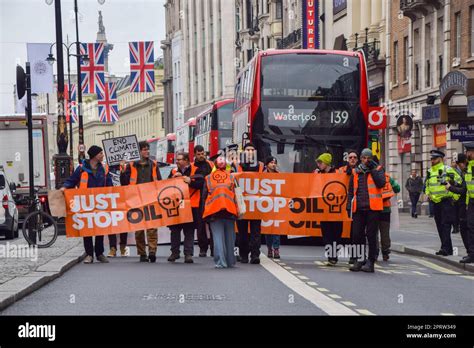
(249,145)
(325,158)
(93,151)
(366,153)
(270,159)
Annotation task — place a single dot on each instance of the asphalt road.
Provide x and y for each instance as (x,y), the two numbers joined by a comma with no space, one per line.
(299,284)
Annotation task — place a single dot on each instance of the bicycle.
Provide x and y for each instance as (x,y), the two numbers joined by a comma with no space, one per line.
(39,228)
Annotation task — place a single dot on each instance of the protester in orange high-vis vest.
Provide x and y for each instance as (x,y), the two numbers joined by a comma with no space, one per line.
(91,173)
(364,204)
(220,210)
(195,180)
(139,172)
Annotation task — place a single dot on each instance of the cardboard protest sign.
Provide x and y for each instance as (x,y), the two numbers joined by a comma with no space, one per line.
(121,149)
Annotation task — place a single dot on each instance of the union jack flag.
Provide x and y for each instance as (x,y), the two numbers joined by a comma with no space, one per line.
(71,102)
(108,104)
(142,67)
(92,73)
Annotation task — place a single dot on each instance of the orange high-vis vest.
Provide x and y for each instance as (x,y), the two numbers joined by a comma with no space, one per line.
(85,177)
(387,192)
(134,173)
(375,193)
(260,168)
(221,196)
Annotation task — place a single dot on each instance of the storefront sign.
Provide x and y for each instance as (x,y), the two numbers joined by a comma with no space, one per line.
(453,81)
(439,135)
(338,6)
(431,114)
(470,106)
(464,133)
(310,24)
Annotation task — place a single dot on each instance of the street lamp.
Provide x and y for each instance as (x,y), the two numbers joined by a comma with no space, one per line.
(85,58)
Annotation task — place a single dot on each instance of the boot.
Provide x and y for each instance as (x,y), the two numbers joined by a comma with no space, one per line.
(152,258)
(270,253)
(112,252)
(352,260)
(467,259)
(173,257)
(188,259)
(368,267)
(356,267)
(276,253)
(143,258)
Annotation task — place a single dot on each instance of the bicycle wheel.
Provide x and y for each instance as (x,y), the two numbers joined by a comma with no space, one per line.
(40,229)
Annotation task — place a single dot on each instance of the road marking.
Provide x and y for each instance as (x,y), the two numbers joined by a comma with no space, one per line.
(436,267)
(320,263)
(384,271)
(334,296)
(348,303)
(288,267)
(468,277)
(448,314)
(303,277)
(421,273)
(323,289)
(281,263)
(312,283)
(365,312)
(323,302)
(295,272)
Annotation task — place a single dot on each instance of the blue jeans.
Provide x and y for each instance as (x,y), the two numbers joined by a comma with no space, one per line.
(273,241)
(223,234)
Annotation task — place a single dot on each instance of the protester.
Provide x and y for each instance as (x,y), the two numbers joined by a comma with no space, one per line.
(203,167)
(89,174)
(352,161)
(272,240)
(220,210)
(364,204)
(185,171)
(469,180)
(438,178)
(249,164)
(389,190)
(139,172)
(460,166)
(123,236)
(414,186)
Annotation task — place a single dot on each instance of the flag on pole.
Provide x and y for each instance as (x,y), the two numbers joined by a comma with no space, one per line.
(71,102)
(41,70)
(92,73)
(108,104)
(142,73)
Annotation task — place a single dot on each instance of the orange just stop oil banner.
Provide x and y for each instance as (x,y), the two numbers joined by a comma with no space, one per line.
(295,204)
(112,210)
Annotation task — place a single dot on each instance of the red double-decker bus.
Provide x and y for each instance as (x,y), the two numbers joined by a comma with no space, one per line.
(296,104)
(185,138)
(162,149)
(214,126)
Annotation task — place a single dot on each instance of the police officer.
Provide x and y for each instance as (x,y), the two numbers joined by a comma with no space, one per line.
(438,178)
(469,179)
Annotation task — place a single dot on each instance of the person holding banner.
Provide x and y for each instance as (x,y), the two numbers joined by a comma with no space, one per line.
(195,181)
(91,173)
(364,204)
(220,210)
(139,172)
(273,240)
(331,230)
(203,167)
(249,164)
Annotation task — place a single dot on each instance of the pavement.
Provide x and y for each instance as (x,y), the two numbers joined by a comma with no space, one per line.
(299,284)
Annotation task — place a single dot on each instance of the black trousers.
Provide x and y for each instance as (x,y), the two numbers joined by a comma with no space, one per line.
(414,198)
(89,246)
(203,242)
(246,246)
(365,224)
(331,232)
(445,216)
(188,230)
(470,227)
(462,216)
(113,240)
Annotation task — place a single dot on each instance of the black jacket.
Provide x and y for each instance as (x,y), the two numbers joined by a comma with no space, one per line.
(125,176)
(363,203)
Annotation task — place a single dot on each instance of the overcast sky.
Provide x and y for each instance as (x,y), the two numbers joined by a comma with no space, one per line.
(23,21)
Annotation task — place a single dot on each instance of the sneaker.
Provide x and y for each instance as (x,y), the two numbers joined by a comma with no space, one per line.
(88,259)
(385,257)
(152,258)
(203,253)
(255,261)
(124,251)
(270,253)
(188,259)
(276,253)
(112,252)
(332,262)
(356,266)
(102,259)
(173,257)
(143,258)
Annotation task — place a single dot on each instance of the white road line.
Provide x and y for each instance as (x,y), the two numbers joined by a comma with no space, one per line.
(288,267)
(448,314)
(468,277)
(435,266)
(364,312)
(302,277)
(323,302)
(348,303)
(421,273)
(295,272)
(334,296)
(323,289)
(312,283)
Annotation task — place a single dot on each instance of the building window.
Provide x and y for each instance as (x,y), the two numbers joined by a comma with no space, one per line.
(278,9)
(395,62)
(406,63)
(472,30)
(417,77)
(440,67)
(457,22)
(428,73)
(249,9)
